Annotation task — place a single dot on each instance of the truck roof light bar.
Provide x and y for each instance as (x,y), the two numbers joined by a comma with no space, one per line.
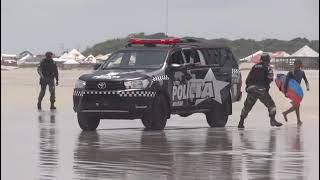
(155,41)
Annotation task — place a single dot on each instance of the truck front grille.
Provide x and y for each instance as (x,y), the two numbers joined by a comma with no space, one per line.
(110,85)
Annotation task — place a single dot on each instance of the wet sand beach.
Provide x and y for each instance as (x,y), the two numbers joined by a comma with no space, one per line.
(50,144)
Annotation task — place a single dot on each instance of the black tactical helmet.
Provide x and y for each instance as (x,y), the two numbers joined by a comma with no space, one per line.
(49,54)
(265,58)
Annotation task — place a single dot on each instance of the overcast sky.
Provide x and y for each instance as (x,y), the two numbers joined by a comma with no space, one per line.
(41,25)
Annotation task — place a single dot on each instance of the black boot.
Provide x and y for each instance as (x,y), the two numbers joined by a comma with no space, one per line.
(39,105)
(240,125)
(52,106)
(273,122)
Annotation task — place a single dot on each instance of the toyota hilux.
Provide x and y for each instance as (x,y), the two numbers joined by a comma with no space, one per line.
(151,79)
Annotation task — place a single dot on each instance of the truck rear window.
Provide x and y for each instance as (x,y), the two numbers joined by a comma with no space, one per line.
(222,57)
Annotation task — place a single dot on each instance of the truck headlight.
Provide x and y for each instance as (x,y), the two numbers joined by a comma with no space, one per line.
(137,84)
(80,84)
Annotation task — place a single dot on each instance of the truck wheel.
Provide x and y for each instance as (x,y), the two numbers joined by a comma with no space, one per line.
(88,122)
(156,118)
(218,116)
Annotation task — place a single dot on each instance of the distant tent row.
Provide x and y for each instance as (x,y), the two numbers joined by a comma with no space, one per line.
(280,54)
(305,51)
(308,56)
(74,57)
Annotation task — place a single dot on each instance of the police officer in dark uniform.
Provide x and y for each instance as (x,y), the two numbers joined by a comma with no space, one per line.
(48,71)
(257,87)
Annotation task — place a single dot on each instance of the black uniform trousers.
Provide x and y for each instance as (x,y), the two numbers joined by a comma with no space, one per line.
(264,97)
(43,83)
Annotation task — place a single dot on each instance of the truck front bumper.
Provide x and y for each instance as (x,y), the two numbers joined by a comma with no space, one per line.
(123,104)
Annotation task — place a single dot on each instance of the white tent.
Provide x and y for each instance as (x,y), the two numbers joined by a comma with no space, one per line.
(280,54)
(305,51)
(24,54)
(73,54)
(252,56)
(62,58)
(90,59)
(76,55)
(99,56)
(103,57)
(25,59)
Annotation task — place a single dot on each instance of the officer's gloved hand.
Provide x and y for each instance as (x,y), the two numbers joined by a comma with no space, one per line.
(57,83)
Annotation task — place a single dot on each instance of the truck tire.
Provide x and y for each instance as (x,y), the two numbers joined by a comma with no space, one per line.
(156,118)
(218,116)
(88,122)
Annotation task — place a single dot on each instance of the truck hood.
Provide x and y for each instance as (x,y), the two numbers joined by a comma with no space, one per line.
(117,75)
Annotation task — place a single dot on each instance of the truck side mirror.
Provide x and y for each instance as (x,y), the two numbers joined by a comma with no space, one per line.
(96,66)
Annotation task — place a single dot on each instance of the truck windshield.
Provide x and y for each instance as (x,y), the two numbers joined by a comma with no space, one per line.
(136,59)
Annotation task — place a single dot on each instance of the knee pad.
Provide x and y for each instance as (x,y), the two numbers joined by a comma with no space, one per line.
(272,111)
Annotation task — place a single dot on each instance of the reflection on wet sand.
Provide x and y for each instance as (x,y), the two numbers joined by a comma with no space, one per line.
(257,154)
(293,163)
(48,151)
(199,153)
(115,156)
(267,154)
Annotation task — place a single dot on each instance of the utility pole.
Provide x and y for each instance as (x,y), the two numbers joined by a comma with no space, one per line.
(167,15)
(263,44)
(252,50)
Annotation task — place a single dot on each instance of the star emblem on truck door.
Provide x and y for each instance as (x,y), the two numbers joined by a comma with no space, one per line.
(217,86)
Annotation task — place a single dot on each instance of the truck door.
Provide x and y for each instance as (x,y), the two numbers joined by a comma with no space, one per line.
(177,72)
(220,77)
(230,65)
(198,89)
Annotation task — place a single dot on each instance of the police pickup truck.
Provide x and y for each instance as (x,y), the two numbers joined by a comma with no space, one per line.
(150,79)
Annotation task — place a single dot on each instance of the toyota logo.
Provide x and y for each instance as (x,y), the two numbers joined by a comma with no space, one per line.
(102,85)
